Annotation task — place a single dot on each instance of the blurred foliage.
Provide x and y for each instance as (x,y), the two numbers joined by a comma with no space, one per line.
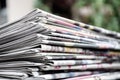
(39,4)
(105,13)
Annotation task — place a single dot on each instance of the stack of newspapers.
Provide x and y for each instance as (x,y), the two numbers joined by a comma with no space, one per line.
(43,46)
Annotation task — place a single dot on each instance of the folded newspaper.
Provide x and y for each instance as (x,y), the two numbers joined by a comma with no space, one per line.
(43,46)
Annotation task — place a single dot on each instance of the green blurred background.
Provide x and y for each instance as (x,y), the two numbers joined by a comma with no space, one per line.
(101,13)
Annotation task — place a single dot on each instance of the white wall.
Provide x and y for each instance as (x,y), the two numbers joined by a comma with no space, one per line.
(18,8)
